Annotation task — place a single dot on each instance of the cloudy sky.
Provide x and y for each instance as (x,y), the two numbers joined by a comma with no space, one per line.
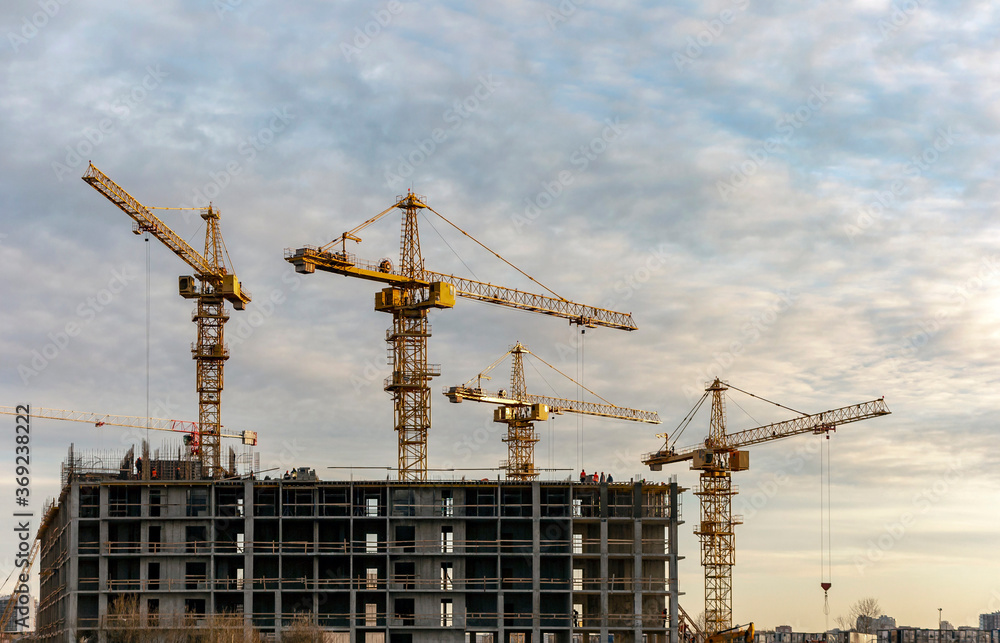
(795,197)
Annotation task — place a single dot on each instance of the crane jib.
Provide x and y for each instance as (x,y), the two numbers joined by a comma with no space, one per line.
(346,263)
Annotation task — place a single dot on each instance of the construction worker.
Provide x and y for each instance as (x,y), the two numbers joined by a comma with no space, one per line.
(583,475)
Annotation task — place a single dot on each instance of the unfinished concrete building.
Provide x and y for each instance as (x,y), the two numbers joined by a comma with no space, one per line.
(480,561)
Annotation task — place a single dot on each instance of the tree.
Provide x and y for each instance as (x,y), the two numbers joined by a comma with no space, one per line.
(302,629)
(863,614)
(126,623)
(860,616)
(844,623)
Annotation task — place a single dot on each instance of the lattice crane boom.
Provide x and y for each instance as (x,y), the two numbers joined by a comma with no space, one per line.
(412,291)
(218,285)
(520,409)
(813,423)
(310,258)
(716,458)
(128,421)
(555,404)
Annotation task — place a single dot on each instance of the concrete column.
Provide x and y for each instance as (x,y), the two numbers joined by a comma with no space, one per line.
(672,529)
(604,568)
(637,587)
(72,518)
(248,556)
(536,598)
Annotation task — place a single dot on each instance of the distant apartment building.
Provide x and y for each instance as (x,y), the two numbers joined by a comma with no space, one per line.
(914,635)
(786,635)
(883,623)
(989,621)
(21,620)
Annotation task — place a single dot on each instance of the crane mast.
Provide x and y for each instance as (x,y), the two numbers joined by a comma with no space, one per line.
(716,458)
(408,340)
(716,528)
(520,409)
(521,436)
(412,291)
(217,285)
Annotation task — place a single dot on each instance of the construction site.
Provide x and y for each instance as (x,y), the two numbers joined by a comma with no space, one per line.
(195,538)
(364,561)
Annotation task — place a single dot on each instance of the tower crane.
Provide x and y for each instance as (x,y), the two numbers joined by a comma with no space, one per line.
(412,291)
(716,458)
(130,421)
(520,409)
(218,284)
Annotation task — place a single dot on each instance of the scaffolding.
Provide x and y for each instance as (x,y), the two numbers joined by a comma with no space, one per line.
(168,463)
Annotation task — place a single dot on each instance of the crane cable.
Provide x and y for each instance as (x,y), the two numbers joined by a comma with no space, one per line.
(765,400)
(826,564)
(496,254)
(686,421)
(148,317)
(579,394)
(552,418)
(431,224)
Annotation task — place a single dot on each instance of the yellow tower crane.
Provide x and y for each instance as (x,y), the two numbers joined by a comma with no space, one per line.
(520,409)
(411,293)
(218,285)
(719,455)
